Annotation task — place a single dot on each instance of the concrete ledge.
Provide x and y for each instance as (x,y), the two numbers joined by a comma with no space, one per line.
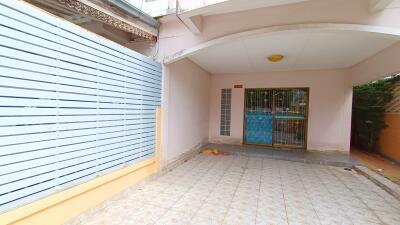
(387,185)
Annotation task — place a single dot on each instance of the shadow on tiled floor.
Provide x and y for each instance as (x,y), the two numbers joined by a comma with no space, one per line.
(329,158)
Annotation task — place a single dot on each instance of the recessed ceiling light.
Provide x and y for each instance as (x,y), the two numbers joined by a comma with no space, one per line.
(275,58)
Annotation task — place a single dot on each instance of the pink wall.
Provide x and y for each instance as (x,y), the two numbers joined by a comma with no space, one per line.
(329,108)
(185,109)
(383,64)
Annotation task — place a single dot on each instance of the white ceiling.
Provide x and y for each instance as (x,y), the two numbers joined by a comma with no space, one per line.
(311,50)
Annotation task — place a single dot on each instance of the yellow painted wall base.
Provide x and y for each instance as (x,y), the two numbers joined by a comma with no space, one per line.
(63,206)
(390,137)
(58,208)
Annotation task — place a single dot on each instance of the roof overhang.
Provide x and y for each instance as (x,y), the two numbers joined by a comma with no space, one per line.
(80,11)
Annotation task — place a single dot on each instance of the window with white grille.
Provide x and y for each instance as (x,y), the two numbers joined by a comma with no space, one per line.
(226,99)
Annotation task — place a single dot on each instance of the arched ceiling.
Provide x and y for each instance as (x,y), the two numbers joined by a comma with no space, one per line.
(303,49)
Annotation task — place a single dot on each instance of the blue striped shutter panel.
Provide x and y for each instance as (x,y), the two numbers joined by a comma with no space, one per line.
(73,106)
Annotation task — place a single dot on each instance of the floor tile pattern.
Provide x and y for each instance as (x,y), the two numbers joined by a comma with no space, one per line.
(245,190)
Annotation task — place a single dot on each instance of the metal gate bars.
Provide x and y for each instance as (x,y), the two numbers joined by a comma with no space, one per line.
(276,117)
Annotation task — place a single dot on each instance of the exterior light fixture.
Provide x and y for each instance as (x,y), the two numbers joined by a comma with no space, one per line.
(275,58)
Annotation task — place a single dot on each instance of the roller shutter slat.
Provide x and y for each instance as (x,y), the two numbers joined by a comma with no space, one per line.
(72,106)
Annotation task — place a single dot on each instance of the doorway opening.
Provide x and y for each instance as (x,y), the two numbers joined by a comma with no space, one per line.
(276,117)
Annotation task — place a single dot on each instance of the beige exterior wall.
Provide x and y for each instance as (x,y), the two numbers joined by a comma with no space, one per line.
(385,63)
(329,108)
(186,96)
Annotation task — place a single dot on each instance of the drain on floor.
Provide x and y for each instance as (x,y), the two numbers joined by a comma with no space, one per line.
(347,169)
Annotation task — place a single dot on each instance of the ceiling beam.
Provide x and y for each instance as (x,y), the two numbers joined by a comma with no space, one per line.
(194,24)
(193,18)
(378,5)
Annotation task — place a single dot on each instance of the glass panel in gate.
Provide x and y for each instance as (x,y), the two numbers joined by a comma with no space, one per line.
(290,117)
(259,118)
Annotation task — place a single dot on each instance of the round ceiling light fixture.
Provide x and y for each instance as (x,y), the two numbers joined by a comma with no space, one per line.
(275,58)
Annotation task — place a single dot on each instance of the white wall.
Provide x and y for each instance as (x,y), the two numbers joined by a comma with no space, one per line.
(185,109)
(329,109)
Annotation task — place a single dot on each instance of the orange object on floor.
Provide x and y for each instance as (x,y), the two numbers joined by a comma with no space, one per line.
(379,164)
(214,151)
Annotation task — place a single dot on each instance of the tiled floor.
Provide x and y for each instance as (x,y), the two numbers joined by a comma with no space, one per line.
(241,190)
